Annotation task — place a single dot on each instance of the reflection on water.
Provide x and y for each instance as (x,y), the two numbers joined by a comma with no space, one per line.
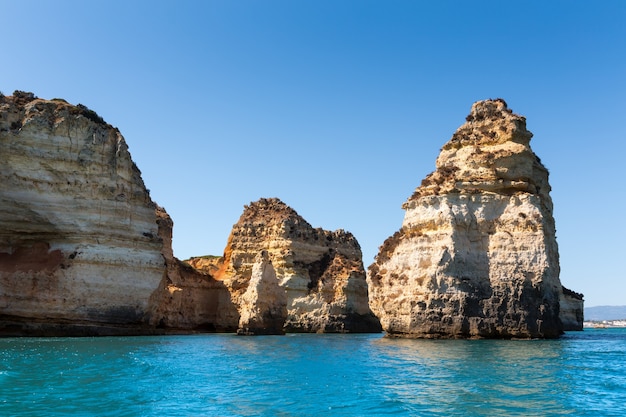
(484,376)
(583,374)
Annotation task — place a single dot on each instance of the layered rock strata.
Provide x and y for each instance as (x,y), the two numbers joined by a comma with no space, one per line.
(79,245)
(476,255)
(320,274)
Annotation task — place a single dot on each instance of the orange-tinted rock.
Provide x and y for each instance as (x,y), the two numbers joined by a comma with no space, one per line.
(187,298)
(320,272)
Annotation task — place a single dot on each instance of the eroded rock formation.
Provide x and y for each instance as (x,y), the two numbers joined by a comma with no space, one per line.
(84,249)
(476,255)
(79,245)
(571,312)
(188,299)
(264,304)
(320,272)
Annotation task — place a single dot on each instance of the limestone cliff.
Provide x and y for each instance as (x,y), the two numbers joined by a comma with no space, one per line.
(476,255)
(79,245)
(320,272)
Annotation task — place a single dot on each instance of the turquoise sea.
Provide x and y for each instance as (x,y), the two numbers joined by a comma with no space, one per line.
(582,374)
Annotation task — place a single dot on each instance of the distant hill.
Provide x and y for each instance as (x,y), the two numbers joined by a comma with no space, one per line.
(600,313)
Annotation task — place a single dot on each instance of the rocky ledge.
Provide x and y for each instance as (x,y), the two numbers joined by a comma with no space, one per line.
(476,255)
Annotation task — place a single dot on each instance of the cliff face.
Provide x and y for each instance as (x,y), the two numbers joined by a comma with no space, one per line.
(476,255)
(79,245)
(84,250)
(320,273)
(572,312)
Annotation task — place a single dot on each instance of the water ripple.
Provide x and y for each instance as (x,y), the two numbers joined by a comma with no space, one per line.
(583,374)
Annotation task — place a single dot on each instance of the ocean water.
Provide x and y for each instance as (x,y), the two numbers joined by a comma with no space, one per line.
(582,374)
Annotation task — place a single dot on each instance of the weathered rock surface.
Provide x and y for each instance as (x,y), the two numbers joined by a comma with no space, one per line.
(79,245)
(320,272)
(188,299)
(84,249)
(572,311)
(264,304)
(476,255)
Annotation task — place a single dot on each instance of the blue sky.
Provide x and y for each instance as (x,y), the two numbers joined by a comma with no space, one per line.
(340,108)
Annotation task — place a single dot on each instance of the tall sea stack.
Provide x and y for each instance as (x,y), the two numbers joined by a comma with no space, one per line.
(476,255)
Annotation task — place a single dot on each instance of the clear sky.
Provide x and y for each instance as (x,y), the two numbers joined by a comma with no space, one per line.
(339,108)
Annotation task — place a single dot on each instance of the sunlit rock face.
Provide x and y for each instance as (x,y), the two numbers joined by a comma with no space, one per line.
(320,273)
(188,299)
(79,248)
(476,255)
(264,304)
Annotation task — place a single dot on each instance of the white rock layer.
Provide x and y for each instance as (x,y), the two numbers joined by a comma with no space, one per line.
(264,304)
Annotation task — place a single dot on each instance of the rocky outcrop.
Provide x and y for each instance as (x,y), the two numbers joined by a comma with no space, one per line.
(264,304)
(79,245)
(320,273)
(571,312)
(84,249)
(476,255)
(188,299)
(209,264)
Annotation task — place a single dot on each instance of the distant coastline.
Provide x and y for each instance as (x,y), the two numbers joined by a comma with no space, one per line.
(602,317)
(605,313)
(604,324)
